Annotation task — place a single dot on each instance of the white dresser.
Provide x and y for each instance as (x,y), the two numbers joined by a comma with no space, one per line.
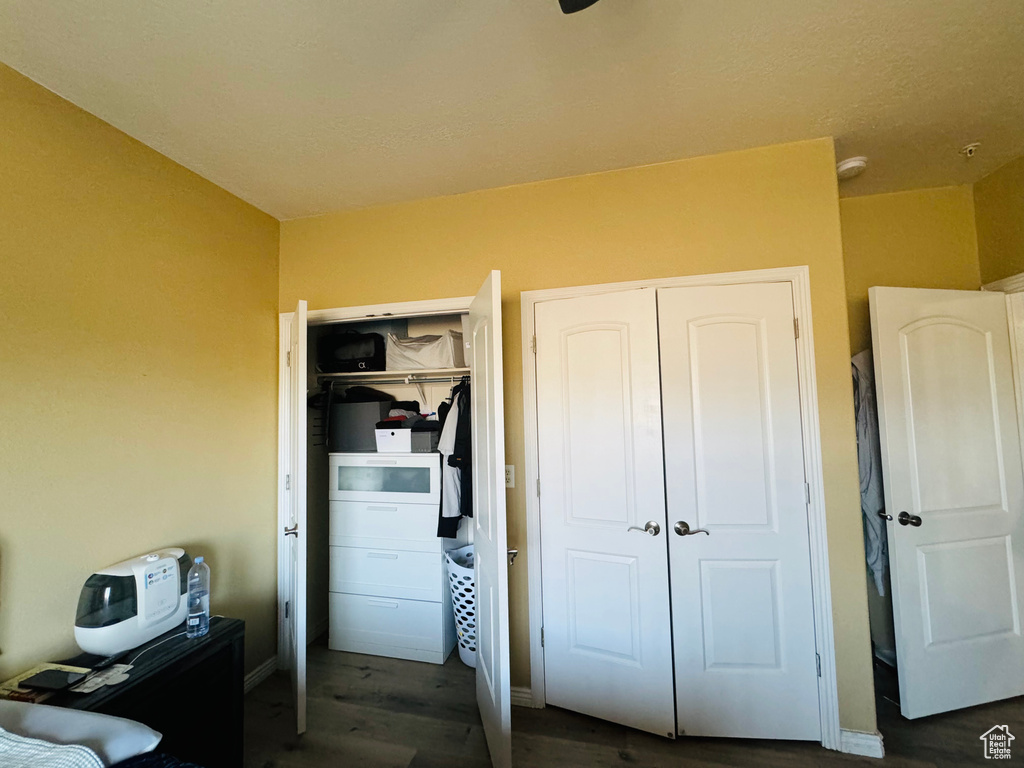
(388,585)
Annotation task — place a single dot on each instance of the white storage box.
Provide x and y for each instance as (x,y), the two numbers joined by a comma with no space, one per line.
(405,441)
(394,440)
(422,352)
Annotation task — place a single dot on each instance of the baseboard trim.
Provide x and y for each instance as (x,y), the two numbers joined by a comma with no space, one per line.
(522,696)
(861,743)
(261,673)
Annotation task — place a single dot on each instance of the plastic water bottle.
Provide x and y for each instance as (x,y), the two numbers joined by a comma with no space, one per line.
(198,623)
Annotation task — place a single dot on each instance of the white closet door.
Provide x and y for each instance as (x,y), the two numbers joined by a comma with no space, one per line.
(607,636)
(741,592)
(953,487)
(493,681)
(292,498)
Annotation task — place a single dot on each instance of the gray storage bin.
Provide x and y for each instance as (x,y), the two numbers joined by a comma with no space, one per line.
(351,426)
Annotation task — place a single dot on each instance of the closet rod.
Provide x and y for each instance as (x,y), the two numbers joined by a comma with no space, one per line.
(395,379)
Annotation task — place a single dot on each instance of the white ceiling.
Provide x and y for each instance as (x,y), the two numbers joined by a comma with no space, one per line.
(308,106)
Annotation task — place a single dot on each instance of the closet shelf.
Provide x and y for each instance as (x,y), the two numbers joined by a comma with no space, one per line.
(419,376)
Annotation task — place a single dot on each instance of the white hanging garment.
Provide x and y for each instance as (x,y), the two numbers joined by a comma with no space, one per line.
(869,461)
(451,477)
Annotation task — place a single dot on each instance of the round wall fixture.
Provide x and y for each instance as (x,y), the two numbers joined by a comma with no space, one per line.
(969,150)
(850,167)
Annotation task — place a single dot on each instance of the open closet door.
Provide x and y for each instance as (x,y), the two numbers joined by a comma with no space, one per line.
(493,686)
(954,495)
(292,509)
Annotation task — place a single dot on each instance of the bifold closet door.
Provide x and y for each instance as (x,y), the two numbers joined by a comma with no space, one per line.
(742,611)
(607,634)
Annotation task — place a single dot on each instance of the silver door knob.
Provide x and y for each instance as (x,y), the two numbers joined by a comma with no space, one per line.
(512,554)
(652,528)
(683,529)
(293,531)
(907,519)
(885,515)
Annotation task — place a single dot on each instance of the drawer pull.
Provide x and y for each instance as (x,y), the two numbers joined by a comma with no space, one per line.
(383,555)
(382,509)
(383,603)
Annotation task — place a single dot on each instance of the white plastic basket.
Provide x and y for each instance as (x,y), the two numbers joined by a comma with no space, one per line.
(460,579)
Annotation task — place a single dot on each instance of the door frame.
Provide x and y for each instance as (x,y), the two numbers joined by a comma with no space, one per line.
(457,305)
(799,279)
(1013,287)
(1011,284)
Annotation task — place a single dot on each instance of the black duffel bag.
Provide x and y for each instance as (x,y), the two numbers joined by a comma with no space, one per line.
(349,351)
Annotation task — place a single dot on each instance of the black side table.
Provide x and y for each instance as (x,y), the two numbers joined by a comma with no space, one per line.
(189,690)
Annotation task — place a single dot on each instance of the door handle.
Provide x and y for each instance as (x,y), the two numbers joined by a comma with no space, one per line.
(293,531)
(885,515)
(652,528)
(512,553)
(907,519)
(683,529)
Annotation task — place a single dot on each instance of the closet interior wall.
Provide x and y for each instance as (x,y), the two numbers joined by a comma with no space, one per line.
(430,395)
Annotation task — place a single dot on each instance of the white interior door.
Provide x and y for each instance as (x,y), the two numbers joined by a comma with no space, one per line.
(292,511)
(953,488)
(742,607)
(493,683)
(607,635)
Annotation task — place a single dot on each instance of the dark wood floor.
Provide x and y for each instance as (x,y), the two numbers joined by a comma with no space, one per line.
(372,712)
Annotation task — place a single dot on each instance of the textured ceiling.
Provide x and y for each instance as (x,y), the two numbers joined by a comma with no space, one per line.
(308,106)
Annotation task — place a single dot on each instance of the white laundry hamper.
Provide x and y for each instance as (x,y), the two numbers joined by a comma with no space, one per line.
(460,579)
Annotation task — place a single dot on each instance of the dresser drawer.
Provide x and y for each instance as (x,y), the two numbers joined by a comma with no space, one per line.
(358,622)
(391,526)
(387,573)
(410,478)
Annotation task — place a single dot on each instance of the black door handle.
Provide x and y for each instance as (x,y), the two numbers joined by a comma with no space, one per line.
(907,519)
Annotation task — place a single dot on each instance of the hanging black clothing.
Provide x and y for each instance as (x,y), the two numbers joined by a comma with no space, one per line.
(460,460)
(463,455)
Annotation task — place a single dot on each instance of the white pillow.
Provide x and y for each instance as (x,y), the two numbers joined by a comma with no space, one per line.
(23,752)
(113,738)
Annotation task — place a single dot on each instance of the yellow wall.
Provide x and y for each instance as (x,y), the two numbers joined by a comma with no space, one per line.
(999,207)
(138,374)
(919,239)
(769,207)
